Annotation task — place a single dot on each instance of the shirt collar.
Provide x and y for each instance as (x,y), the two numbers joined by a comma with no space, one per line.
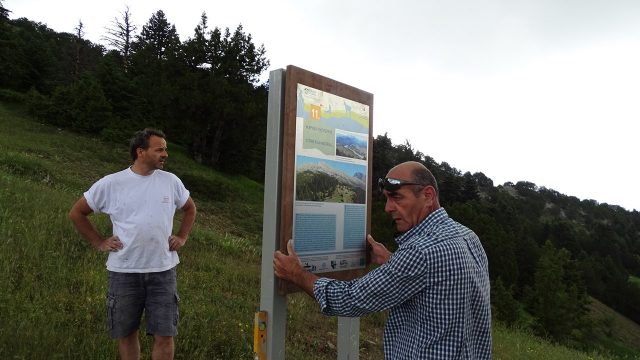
(432,220)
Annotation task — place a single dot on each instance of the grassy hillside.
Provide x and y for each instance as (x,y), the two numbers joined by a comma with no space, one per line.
(53,285)
(614,331)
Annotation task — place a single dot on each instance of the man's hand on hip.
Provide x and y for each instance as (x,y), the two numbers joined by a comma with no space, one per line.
(112,243)
(176,242)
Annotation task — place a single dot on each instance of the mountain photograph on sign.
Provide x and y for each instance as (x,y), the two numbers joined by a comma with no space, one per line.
(330,181)
(351,146)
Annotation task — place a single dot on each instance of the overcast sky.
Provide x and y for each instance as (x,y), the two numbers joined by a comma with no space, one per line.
(546,91)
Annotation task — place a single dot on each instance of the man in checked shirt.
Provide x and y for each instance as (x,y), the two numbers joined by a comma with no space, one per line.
(436,285)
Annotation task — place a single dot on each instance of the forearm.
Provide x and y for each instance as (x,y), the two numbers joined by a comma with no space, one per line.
(86,229)
(188,219)
(305,281)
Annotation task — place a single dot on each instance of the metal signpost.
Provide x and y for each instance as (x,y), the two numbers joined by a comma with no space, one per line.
(273,306)
(317,129)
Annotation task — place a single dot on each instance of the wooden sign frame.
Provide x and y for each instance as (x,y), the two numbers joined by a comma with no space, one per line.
(293,77)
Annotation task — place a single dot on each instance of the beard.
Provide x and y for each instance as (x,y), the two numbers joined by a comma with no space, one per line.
(159,164)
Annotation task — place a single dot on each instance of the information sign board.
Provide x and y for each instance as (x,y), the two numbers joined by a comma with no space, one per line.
(326,178)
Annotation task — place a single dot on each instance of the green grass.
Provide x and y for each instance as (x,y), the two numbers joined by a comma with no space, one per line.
(614,332)
(53,284)
(519,344)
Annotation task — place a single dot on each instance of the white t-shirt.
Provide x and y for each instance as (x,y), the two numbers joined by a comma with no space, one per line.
(141,209)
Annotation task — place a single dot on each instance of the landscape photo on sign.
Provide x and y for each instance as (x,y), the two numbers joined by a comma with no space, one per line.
(351,145)
(326,180)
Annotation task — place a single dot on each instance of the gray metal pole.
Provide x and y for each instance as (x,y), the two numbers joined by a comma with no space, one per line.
(348,338)
(270,301)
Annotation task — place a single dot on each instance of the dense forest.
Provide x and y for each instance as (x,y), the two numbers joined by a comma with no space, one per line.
(548,252)
(203,91)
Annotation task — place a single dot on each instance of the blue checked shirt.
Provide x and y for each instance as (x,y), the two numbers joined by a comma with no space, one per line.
(436,287)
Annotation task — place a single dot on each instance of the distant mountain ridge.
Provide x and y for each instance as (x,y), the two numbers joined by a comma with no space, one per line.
(350,140)
(341,177)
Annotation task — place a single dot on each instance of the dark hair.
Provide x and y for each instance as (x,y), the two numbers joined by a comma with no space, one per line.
(141,140)
(423,176)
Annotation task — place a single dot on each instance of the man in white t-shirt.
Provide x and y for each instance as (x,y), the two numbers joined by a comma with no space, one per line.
(141,202)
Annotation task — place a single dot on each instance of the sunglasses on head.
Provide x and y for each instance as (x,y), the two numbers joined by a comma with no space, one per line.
(391,184)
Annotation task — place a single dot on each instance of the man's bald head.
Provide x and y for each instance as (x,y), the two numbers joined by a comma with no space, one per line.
(416,172)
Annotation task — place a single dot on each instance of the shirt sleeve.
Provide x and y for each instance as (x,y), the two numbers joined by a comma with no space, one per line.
(96,196)
(406,273)
(181,193)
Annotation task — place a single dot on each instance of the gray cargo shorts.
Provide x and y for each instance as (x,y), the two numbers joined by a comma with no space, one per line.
(131,294)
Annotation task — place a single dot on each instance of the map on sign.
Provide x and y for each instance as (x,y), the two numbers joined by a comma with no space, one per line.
(326,116)
(332,147)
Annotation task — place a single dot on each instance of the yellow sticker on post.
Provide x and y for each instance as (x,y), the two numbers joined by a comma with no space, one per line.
(260,335)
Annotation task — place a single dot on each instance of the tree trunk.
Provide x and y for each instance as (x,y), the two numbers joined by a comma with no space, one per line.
(216,143)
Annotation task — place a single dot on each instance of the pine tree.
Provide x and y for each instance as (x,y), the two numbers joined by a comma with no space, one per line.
(558,298)
(157,67)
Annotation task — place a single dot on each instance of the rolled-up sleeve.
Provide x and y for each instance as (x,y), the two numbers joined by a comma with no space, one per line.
(320,292)
(380,289)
